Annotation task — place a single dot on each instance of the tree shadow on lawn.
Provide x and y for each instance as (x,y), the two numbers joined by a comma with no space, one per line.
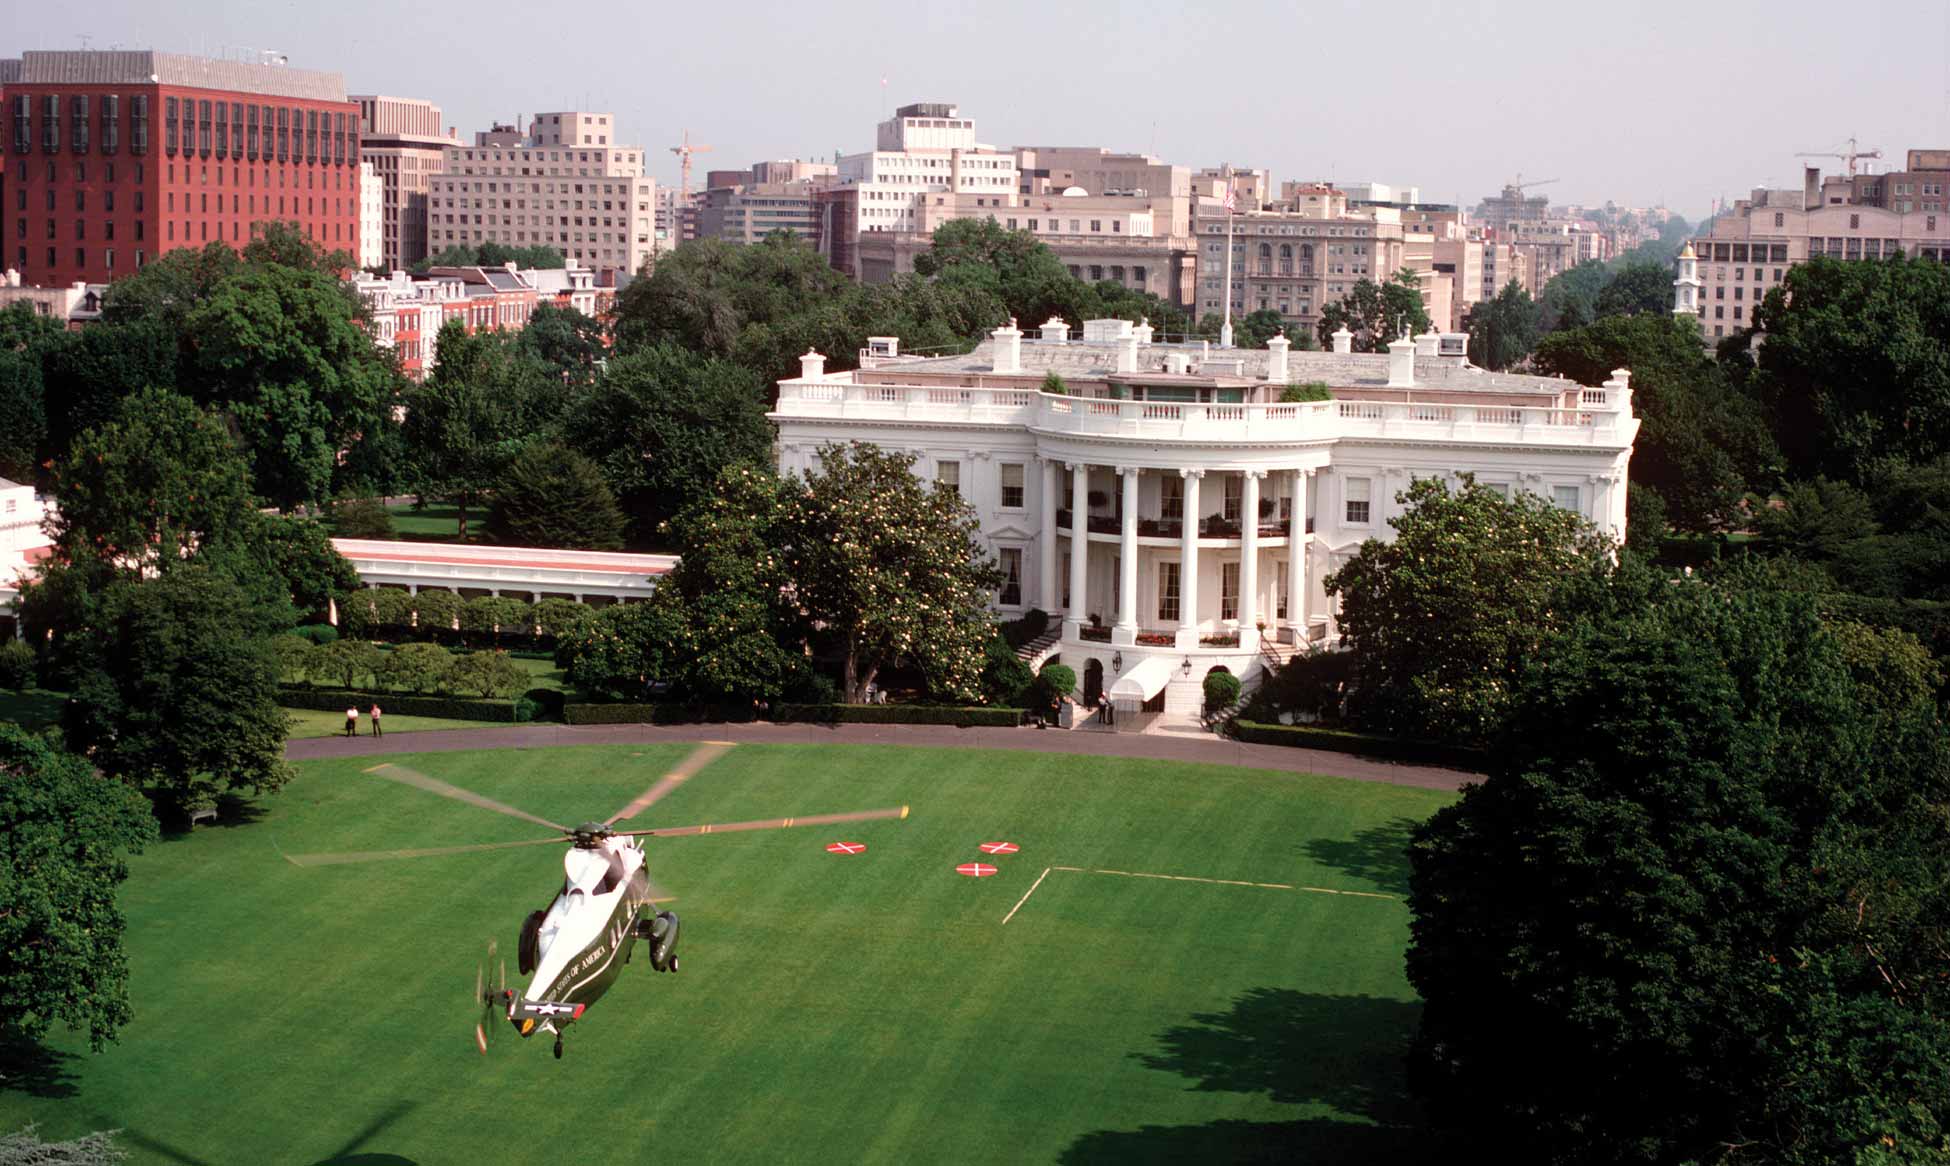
(1297,1048)
(30,1067)
(232,810)
(1378,854)
(349,1154)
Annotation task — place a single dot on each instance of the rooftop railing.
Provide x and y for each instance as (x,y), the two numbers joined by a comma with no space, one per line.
(1599,416)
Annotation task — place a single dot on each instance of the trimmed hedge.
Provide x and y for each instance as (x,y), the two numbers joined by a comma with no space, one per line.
(405,704)
(1361,744)
(898,714)
(823,714)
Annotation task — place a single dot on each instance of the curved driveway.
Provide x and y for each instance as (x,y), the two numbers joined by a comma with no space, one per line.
(1207,750)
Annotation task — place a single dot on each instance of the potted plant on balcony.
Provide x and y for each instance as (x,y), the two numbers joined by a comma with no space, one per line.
(1054,384)
(1098,499)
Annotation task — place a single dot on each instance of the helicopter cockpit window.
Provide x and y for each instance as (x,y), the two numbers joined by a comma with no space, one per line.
(614,876)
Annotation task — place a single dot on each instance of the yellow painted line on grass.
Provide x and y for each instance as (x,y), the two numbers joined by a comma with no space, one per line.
(1178,878)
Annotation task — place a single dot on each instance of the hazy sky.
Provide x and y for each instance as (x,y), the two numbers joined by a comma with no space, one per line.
(1658,100)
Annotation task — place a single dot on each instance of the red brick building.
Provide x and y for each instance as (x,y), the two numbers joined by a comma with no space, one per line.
(114,158)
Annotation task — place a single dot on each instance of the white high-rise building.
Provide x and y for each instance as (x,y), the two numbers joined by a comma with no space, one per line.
(372,217)
(924,148)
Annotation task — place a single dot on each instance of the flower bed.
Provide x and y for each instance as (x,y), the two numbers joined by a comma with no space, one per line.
(1231,641)
(1156,639)
(1099,635)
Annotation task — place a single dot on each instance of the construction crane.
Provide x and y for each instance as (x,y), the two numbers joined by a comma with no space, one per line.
(1849,156)
(684,152)
(1516,189)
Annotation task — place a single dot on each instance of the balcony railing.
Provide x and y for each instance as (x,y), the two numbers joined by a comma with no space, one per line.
(1598,417)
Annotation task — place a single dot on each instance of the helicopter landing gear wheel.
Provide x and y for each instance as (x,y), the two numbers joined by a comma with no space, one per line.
(558,1046)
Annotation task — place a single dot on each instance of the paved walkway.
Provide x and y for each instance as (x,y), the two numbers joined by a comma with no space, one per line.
(1207,749)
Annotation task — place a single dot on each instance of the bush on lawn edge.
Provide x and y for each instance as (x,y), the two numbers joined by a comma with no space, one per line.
(1361,744)
(829,714)
(404,704)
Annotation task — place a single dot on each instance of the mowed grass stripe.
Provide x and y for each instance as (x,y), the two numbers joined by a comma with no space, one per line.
(870,1007)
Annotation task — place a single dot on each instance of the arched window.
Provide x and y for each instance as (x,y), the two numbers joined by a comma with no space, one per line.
(1286,259)
(1266,259)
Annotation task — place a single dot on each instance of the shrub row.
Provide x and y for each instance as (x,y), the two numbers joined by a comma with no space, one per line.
(1362,744)
(898,714)
(825,714)
(455,708)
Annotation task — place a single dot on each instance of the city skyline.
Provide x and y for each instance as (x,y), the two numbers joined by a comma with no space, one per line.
(790,81)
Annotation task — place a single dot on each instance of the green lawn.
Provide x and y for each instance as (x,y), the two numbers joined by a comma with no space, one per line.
(872,1008)
(325,723)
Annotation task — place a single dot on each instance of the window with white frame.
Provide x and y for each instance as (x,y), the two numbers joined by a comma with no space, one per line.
(1565,497)
(1171,497)
(1011,593)
(1012,485)
(1280,598)
(1235,493)
(947,476)
(1168,591)
(1357,493)
(1229,590)
(1065,576)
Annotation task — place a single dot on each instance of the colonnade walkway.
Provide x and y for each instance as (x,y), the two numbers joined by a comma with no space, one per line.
(1209,749)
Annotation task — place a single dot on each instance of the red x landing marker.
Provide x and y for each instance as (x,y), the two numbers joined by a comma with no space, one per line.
(975,870)
(999,848)
(845,847)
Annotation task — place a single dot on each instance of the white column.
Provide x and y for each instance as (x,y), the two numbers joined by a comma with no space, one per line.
(1046,545)
(1296,559)
(1079,550)
(1125,632)
(1249,561)
(1188,563)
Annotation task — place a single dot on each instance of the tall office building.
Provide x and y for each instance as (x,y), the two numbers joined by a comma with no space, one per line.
(567,183)
(402,138)
(117,157)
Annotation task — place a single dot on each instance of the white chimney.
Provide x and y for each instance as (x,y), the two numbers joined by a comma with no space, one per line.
(1428,344)
(1177,362)
(1127,347)
(812,366)
(1276,361)
(1056,330)
(1401,363)
(1343,340)
(1008,348)
(1143,332)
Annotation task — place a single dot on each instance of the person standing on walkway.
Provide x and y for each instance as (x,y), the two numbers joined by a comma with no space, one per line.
(375,720)
(352,720)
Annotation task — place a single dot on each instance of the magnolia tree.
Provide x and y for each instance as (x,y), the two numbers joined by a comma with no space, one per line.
(890,565)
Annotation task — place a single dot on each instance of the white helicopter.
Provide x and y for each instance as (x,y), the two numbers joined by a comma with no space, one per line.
(574,949)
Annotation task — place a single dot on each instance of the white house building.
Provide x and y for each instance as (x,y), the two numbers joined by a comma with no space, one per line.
(22,544)
(1280,493)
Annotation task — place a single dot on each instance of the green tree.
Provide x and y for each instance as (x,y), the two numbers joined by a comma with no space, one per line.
(461,430)
(151,488)
(497,616)
(1053,383)
(557,617)
(1701,441)
(1377,313)
(418,667)
(348,663)
(486,673)
(566,342)
(1570,299)
(1636,288)
(1819,521)
(625,652)
(1443,618)
(299,552)
(25,340)
(362,518)
(91,372)
(177,692)
(552,496)
(891,568)
(296,657)
(436,612)
(1502,331)
(64,832)
(1696,913)
(663,423)
(1856,368)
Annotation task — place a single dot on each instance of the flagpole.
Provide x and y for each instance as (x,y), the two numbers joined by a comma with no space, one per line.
(1225,330)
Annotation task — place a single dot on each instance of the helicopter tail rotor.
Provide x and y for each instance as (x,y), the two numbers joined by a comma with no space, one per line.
(490,996)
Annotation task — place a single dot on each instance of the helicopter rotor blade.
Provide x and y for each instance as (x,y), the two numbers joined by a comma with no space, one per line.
(336,859)
(434,785)
(771,823)
(699,757)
